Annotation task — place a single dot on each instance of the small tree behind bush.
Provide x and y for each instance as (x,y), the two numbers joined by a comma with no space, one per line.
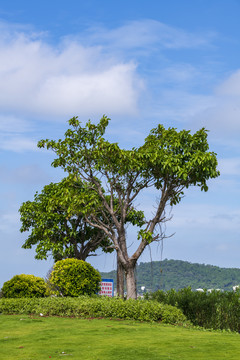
(23,286)
(74,277)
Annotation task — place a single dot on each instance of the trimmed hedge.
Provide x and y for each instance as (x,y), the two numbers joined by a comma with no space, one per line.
(73,277)
(23,285)
(95,307)
(212,310)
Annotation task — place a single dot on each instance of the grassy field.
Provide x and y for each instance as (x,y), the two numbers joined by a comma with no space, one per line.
(37,338)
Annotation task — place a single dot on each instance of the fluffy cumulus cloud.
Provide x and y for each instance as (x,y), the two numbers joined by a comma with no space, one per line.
(39,79)
(100,71)
(108,90)
(90,73)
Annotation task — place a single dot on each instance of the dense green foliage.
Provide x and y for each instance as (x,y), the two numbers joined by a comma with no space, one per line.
(24,286)
(56,227)
(169,161)
(214,310)
(74,277)
(97,306)
(176,274)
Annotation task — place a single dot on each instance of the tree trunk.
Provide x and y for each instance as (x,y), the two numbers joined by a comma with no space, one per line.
(131,282)
(126,266)
(120,278)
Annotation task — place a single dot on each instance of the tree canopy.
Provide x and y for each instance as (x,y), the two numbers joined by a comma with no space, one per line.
(56,225)
(169,161)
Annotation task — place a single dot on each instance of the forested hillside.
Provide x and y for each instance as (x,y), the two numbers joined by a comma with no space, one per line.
(177,274)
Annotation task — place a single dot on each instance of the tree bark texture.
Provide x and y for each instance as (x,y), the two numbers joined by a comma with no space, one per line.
(120,278)
(131,282)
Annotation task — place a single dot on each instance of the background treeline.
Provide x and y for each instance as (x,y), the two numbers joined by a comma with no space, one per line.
(211,310)
(177,274)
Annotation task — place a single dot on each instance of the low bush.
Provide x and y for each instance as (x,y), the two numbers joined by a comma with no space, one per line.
(96,306)
(213,310)
(21,286)
(73,277)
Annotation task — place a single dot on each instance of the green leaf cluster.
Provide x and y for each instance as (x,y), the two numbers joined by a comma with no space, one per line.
(169,161)
(100,306)
(212,310)
(24,286)
(73,277)
(178,159)
(145,235)
(56,223)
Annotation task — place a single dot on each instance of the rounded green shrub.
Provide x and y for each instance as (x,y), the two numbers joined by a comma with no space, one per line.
(74,277)
(24,286)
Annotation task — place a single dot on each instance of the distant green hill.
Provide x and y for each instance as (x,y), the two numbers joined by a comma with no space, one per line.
(177,274)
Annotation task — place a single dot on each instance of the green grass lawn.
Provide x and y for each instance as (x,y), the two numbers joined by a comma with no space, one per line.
(37,338)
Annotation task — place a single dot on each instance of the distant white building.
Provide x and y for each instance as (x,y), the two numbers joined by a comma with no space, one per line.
(235,288)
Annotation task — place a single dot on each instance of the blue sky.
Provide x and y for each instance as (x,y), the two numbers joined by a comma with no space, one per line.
(141,63)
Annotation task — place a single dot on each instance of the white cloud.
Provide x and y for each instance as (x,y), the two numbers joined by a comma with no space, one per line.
(222,118)
(17,143)
(231,86)
(179,74)
(226,114)
(13,124)
(146,33)
(39,79)
(219,111)
(182,106)
(88,75)
(111,90)
(13,134)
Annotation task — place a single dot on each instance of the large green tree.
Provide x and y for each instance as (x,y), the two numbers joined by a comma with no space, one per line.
(56,225)
(169,161)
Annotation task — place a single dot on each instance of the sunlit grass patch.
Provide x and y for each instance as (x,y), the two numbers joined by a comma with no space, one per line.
(26,337)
